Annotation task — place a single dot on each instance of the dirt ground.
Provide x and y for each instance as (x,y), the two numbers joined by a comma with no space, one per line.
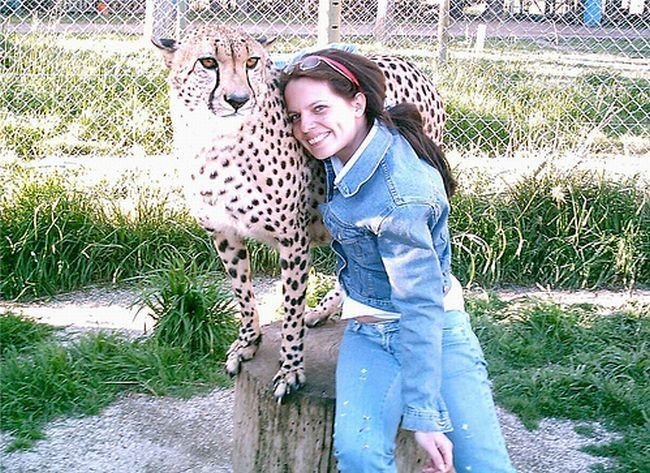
(145,434)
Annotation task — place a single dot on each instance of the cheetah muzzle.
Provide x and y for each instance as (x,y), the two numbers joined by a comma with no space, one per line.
(247,177)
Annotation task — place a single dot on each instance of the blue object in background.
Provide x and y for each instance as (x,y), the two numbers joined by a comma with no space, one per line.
(8,7)
(593,13)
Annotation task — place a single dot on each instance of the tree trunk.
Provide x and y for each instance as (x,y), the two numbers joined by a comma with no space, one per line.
(296,436)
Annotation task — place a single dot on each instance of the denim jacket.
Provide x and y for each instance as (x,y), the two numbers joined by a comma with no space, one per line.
(388,219)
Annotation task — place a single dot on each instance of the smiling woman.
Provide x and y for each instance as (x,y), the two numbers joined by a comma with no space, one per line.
(408,357)
(322,120)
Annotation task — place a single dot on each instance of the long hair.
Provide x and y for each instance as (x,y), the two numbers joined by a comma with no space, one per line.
(405,117)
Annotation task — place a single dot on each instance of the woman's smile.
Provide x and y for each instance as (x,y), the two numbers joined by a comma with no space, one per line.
(317,139)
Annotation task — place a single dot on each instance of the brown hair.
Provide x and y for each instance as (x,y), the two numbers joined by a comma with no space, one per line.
(405,117)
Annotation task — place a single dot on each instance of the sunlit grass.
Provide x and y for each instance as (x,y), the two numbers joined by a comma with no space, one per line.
(559,229)
(108,95)
(573,362)
(103,101)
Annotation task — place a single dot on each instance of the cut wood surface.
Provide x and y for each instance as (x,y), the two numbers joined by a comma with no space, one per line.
(295,436)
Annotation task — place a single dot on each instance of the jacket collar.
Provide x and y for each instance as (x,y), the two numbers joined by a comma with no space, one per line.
(366,165)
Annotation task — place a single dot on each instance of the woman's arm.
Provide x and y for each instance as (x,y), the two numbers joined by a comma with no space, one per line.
(409,257)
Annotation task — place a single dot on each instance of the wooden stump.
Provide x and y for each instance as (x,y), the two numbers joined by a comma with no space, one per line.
(296,436)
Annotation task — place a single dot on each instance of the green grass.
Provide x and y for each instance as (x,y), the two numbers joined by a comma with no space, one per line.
(43,379)
(545,360)
(86,376)
(54,237)
(113,100)
(17,333)
(572,362)
(191,308)
(576,230)
(558,229)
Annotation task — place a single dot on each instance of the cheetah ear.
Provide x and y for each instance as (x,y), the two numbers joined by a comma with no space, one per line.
(167,47)
(266,42)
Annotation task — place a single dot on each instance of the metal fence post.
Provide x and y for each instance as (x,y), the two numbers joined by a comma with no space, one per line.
(181,17)
(329,22)
(443,31)
(384,13)
(335,22)
(160,19)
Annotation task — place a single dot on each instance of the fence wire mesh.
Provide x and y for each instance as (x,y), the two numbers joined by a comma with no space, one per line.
(79,77)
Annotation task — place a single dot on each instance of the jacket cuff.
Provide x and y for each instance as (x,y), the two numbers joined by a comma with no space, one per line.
(426,421)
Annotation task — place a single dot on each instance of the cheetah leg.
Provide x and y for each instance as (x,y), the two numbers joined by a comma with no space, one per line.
(234,255)
(327,306)
(294,264)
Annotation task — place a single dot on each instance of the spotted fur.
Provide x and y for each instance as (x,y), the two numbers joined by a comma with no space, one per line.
(247,177)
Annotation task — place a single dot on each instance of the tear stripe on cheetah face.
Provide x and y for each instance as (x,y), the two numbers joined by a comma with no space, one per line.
(247,177)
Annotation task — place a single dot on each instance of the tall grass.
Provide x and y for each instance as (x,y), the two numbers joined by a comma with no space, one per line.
(558,229)
(191,308)
(570,230)
(55,238)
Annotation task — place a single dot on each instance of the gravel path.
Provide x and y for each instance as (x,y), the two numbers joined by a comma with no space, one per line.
(144,434)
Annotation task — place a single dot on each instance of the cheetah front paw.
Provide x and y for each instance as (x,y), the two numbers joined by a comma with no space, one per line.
(287,380)
(239,352)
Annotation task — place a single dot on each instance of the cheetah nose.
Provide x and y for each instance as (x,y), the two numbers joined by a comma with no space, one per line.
(237,101)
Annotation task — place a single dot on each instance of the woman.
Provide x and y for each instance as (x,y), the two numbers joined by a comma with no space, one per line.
(408,355)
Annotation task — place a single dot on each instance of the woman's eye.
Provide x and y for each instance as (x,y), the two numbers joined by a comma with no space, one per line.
(252,62)
(293,117)
(208,62)
(319,108)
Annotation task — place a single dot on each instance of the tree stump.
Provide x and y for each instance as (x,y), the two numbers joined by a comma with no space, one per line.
(296,436)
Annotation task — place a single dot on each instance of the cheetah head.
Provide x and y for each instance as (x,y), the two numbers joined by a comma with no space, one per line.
(218,77)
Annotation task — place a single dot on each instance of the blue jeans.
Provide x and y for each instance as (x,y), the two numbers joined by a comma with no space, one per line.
(369,401)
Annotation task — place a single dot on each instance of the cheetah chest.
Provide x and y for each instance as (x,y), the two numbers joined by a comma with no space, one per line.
(237,197)
(218,196)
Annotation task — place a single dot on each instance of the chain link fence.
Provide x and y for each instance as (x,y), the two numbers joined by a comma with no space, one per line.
(79,77)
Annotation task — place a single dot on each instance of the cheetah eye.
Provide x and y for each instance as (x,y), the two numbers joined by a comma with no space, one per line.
(208,62)
(252,62)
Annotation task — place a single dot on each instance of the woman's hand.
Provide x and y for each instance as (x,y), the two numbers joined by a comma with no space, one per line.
(439,448)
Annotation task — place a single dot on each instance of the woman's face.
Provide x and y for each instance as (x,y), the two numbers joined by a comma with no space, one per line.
(325,123)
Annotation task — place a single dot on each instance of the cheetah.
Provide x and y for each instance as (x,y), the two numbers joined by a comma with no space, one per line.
(247,177)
